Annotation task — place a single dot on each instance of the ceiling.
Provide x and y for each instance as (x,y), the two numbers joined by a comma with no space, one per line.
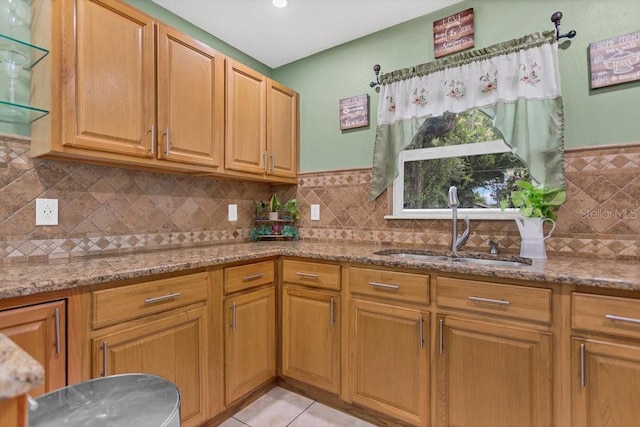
(277,37)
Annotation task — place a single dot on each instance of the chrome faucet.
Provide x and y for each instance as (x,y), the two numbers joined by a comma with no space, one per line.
(457,241)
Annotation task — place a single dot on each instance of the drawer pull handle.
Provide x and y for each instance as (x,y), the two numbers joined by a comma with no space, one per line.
(253,277)
(57,320)
(623,319)
(307,275)
(489,301)
(161,298)
(383,285)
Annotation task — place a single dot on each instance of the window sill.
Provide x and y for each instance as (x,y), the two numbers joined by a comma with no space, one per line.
(475,214)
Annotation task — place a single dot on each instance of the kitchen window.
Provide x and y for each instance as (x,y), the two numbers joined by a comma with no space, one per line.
(464,150)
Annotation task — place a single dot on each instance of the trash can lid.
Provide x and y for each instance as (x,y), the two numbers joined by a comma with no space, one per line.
(137,400)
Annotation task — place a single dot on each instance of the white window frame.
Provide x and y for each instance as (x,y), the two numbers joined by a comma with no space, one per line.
(478,148)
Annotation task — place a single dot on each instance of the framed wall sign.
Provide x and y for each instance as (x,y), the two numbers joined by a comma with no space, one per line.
(453,33)
(354,112)
(615,60)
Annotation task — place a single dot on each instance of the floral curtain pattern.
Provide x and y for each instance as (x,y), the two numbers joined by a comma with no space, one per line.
(516,83)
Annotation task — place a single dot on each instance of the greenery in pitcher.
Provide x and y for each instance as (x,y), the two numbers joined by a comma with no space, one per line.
(535,202)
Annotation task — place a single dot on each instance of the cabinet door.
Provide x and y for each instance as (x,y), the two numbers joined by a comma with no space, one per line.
(109,86)
(190,100)
(245,142)
(282,130)
(389,360)
(311,337)
(250,342)
(491,375)
(606,384)
(41,331)
(174,347)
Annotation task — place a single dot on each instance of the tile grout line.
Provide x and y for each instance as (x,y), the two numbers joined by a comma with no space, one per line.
(303,411)
(241,422)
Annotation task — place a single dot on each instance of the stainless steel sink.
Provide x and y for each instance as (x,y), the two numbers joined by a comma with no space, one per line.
(457,258)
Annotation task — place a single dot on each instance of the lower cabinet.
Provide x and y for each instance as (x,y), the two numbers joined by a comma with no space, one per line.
(490,375)
(40,330)
(389,360)
(250,341)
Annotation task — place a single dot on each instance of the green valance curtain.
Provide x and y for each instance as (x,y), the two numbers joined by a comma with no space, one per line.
(516,83)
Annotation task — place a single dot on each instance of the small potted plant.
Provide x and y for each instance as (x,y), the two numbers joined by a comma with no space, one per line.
(292,209)
(274,205)
(262,209)
(537,205)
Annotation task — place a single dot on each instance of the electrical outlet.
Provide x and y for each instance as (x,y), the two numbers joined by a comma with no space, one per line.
(315,212)
(233,212)
(46,211)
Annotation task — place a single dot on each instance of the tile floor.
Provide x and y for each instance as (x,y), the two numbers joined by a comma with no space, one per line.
(282,408)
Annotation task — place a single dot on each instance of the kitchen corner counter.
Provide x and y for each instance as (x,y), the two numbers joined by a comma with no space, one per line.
(19,372)
(27,279)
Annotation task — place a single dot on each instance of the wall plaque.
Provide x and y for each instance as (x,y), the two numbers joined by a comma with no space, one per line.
(354,112)
(453,33)
(615,60)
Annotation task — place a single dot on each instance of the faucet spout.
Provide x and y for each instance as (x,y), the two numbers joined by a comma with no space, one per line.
(457,241)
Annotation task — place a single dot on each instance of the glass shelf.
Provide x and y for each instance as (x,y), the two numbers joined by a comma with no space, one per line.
(33,53)
(16,113)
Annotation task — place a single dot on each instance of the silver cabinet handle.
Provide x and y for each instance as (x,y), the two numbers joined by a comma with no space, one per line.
(623,319)
(383,285)
(166,132)
(582,374)
(489,301)
(273,164)
(264,162)
(253,277)
(421,332)
(33,404)
(153,139)
(233,316)
(161,298)
(57,318)
(105,351)
(440,337)
(332,317)
(307,275)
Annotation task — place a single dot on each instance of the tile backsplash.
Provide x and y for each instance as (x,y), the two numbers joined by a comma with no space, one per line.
(111,210)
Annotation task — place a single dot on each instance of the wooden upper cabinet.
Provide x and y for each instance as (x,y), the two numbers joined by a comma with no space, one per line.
(282,130)
(190,100)
(245,119)
(109,66)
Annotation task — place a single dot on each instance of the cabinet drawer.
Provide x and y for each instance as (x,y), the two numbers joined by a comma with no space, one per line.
(609,315)
(116,305)
(318,275)
(520,302)
(248,276)
(408,287)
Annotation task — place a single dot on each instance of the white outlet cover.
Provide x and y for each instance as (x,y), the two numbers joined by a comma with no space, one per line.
(315,212)
(233,212)
(46,211)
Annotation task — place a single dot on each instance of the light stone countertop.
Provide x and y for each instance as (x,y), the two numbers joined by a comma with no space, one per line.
(19,372)
(26,279)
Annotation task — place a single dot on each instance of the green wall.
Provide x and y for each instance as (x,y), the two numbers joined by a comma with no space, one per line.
(602,116)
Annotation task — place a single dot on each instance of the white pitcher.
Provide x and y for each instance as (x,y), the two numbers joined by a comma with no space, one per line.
(532,245)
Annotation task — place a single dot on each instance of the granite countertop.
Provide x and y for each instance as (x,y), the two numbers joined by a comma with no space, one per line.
(26,279)
(19,372)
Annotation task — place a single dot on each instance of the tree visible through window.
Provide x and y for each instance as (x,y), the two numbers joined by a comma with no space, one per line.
(464,150)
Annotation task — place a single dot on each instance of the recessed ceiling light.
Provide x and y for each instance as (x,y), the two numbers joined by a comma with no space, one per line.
(279,3)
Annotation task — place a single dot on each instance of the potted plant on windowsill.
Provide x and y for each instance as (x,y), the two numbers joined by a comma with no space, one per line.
(537,205)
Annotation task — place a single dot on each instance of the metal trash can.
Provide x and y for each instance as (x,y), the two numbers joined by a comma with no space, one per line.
(136,400)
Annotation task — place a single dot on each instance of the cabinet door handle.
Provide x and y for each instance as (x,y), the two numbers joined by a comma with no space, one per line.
(161,298)
(152,150)
(253,277)
(440,336)
(56,314)
(264,162)
(273,164)
(501,302)
(582,373)
(421,332)
(332,317)
(233,316)
(105,351)
(307,275)
(623,319)
(383,285)
(168,146)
